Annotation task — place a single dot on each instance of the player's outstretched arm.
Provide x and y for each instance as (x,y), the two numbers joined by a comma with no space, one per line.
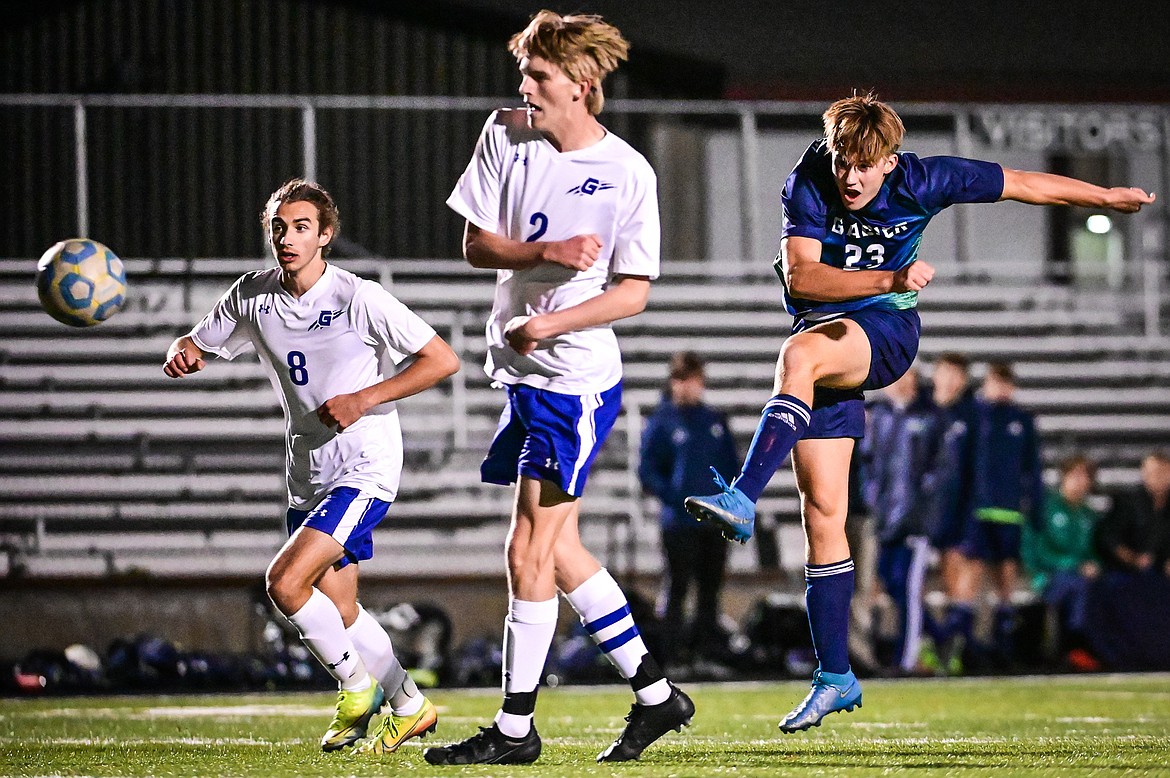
(183,357)
(807,278)
(432,363)
(1051,189)
(484,249)
(626,296)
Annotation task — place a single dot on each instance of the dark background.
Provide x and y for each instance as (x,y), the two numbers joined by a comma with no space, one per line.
(155,174)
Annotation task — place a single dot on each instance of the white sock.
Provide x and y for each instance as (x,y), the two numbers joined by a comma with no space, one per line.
(409,706)
(377,652)
(605,612)
(321,628)
(528,634)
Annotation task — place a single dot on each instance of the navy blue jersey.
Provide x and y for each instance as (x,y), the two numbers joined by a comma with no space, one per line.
(952,471)
(680,445)
(1007,474)
(885,234)
(896,453)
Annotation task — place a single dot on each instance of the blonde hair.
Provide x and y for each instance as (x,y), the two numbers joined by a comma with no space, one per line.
(585,46)
(862,129)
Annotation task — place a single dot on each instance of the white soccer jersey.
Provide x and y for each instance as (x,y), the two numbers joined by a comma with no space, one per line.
(519,186)
(342,335)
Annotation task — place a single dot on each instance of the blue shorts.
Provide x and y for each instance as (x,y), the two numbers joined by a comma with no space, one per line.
(347,516)
(893,343)
(550,436)
(992,541)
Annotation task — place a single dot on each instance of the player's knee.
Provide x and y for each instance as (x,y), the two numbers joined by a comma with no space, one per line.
(528,563)
(799,358)
(281,586)
(824,520)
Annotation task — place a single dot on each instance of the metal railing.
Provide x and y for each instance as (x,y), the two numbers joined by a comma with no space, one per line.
(1137,132)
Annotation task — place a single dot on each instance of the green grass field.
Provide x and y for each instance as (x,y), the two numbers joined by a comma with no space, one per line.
(1058,726)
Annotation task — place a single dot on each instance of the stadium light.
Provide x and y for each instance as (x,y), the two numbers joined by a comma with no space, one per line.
(1099,224)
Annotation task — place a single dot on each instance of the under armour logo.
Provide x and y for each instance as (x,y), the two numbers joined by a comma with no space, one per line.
(335,665)
(264,308)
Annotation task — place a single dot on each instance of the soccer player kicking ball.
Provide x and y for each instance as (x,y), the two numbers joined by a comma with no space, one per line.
(854,211)
(326,339)
(567,212)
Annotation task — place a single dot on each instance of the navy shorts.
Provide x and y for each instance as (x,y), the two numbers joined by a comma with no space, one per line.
(893,343)
(346,515)
(992,541)
(950,532)
(550,436)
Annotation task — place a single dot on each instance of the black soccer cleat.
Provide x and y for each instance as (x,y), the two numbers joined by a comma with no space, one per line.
(490,746)
(647,723)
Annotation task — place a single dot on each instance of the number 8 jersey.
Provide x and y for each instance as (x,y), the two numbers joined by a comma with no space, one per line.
(885,234)
(342,335)
(519,186)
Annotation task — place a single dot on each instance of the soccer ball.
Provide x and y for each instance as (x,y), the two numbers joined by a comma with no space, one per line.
(80,282)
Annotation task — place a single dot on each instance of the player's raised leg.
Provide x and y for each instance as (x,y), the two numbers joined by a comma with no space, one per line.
(659,706)
(303,560)
(834,354)
(822,476)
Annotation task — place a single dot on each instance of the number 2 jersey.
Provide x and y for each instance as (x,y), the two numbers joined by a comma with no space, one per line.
(519,186)
(886,233)
(342,335)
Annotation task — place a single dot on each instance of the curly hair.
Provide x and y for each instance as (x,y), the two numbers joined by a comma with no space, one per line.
(585,46)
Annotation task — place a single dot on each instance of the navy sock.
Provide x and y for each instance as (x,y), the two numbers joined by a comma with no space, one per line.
(1005,628)
(783,422)
(960,620)
(828,594)
(932,627)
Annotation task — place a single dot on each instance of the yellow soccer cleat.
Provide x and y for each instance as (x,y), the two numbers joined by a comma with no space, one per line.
(396,730)
(354,711)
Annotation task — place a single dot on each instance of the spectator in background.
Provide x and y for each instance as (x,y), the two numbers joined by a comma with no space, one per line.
(950,478)
(1128,615)
(683,440)
(897,451)
(1008,490)
(1135,534)
(1058,554)
(859,530)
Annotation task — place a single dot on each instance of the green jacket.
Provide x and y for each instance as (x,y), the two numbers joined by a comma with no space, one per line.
(1063,540)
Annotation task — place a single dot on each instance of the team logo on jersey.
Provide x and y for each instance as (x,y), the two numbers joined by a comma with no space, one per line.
(590,186)
(324,319)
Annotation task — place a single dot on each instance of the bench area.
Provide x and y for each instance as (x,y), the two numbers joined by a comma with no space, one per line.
(107,466)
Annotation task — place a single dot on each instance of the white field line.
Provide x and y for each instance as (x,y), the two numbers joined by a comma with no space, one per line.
(566,741)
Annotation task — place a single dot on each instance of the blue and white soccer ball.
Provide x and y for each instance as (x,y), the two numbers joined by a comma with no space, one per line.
(81,282)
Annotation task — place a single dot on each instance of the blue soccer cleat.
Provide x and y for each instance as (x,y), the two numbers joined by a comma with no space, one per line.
(731,510)
(831,692)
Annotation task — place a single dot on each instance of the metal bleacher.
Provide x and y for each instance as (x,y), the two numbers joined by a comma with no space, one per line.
(107,466)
